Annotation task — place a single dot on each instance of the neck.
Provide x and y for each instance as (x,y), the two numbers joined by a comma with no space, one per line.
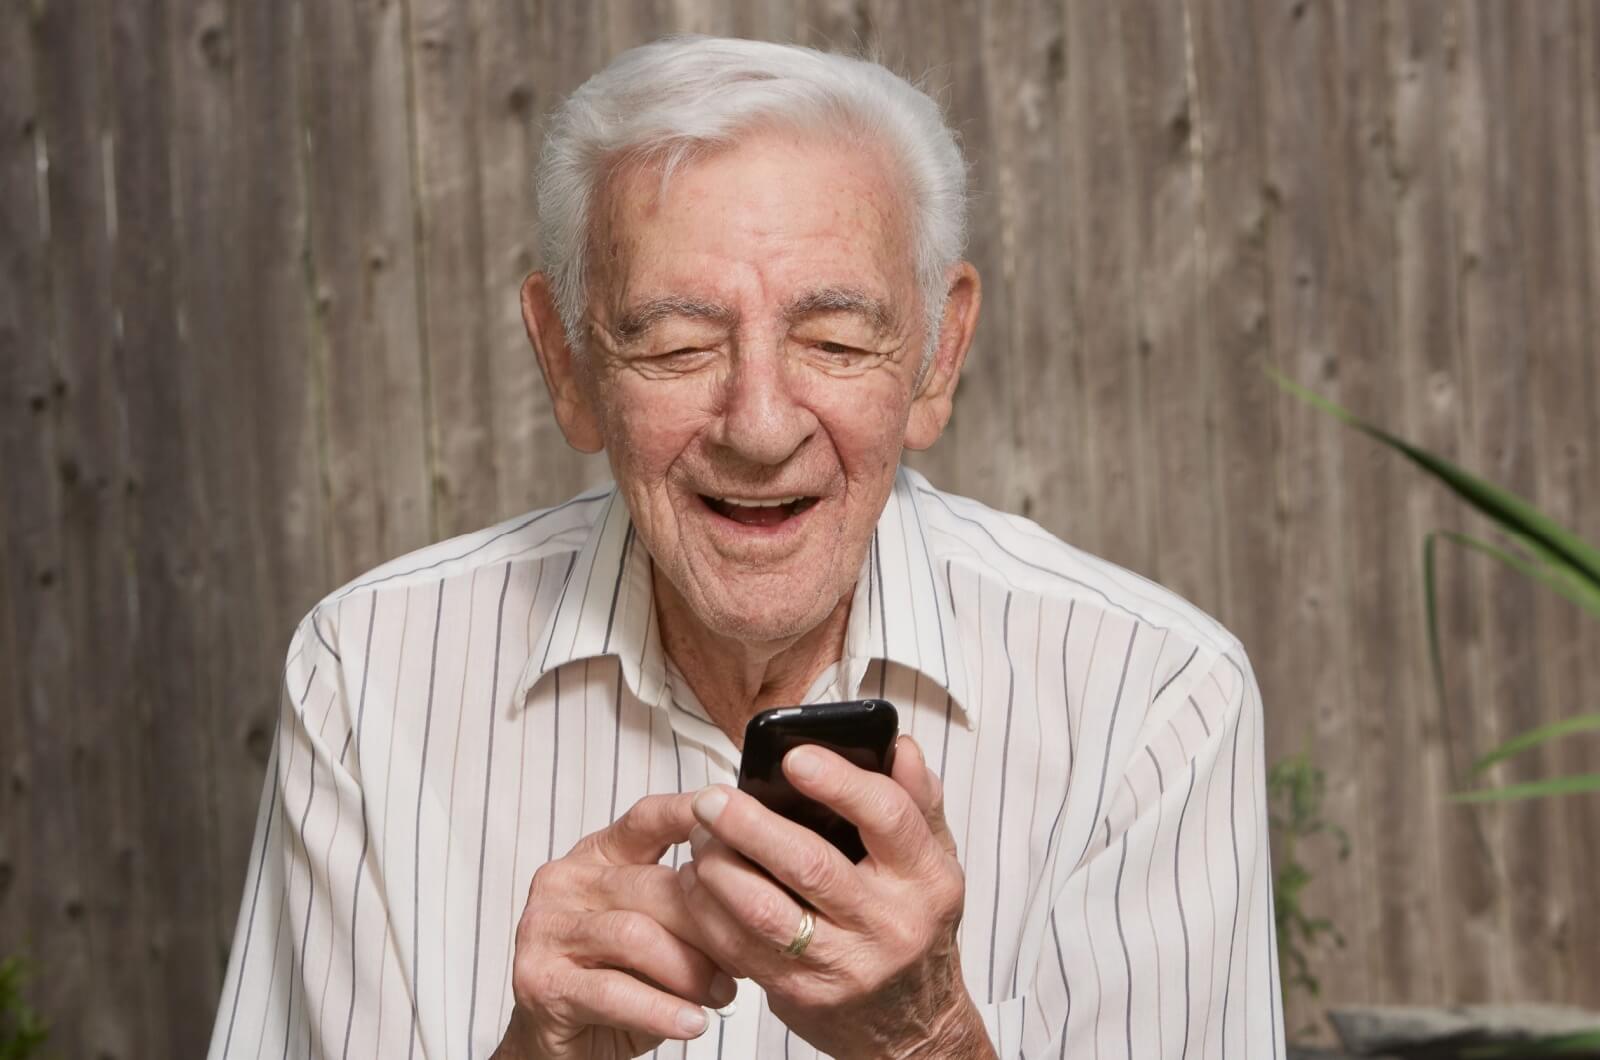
(735,679)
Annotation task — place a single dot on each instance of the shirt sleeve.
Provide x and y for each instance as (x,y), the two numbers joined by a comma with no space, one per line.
(1160,942)
(296,985)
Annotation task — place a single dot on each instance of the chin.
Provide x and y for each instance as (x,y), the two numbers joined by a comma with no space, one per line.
(739,620)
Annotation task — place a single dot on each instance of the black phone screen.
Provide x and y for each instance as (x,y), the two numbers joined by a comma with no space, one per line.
(860,731)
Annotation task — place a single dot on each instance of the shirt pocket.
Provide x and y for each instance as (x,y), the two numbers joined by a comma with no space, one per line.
(1003,1020)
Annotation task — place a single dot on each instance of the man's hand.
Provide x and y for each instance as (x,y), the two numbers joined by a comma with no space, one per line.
(881,977)
(602,970)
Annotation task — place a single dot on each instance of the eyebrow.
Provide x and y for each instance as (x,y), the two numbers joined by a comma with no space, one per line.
(636,320)
(842,300)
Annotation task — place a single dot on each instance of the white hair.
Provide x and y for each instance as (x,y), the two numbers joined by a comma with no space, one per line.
(665,101)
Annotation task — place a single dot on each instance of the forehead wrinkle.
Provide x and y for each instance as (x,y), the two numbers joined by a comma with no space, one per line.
(636,320)
(841,300)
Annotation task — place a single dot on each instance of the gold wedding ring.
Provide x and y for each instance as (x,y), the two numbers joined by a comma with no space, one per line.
(802,937)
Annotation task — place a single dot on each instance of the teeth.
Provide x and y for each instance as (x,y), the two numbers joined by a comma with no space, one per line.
(743,502)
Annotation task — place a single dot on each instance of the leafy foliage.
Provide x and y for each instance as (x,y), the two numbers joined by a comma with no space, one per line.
(1540,548)
(1295,789)
(21,1032)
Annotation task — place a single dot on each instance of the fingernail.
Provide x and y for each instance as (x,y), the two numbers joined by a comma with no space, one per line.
(692,1021)
(803,763)
(723,990)
(686,876)
(698,837)
(709,803)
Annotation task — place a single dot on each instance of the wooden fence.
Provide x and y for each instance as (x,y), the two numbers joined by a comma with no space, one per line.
(259,332)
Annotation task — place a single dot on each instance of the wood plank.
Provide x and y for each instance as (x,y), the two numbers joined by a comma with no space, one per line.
(363,272)
(1234,344)
(245,341)
(1550,192)
(1177,414)
(1234,331)
(442,43)
(971,456)
(43,902)
(1309,124)
(951,49)
(1387,664)
(527,62)
(26,513)
(1432,378)
(1583,756)
(196,798)
(1102,244)
(174,896)
(95,580)
(1495,345)
(205,221)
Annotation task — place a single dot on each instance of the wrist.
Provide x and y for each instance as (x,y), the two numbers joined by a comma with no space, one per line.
(958,1035)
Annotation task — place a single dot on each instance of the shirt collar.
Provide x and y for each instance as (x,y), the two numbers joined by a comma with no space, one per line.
(606,607)
(901,611)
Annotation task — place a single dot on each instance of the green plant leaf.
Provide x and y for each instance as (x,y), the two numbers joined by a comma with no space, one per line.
(1544,566)
(1535,737)
(1573,785)
(1504,507)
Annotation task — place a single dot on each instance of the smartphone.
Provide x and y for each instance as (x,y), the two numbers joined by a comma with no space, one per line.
(861,731)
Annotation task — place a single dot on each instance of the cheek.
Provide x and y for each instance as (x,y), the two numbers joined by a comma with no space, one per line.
(648,426)
(866,419)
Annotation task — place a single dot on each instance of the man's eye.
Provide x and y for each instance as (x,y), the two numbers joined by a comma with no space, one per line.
(836,348)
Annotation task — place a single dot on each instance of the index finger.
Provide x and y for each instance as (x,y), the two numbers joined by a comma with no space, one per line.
(926,790)
(891,823)
(645,832)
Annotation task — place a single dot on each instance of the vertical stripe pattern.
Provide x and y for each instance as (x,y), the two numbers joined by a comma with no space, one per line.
(504,693)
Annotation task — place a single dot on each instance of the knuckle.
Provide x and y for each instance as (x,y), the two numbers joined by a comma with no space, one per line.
(950,891)
(916,938)
(902,820)
(548,879)
(630,932)
(643,815)
(634,816)
(536,984)
(770,915)
(814,870)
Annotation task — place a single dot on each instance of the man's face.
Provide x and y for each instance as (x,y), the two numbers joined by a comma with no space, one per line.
(755,336)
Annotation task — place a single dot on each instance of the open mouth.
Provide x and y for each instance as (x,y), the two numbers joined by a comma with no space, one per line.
(753,511)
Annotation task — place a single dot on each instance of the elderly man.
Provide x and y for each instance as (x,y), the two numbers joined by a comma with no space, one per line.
(500,817)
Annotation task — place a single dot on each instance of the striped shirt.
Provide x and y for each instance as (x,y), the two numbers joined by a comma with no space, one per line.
(463,714)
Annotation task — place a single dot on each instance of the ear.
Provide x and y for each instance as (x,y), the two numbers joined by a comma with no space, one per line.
(573,410)
(935,397)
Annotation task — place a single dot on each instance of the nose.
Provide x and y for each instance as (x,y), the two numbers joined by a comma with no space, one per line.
(760,420)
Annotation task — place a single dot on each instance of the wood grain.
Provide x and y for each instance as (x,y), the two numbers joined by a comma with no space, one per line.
(363,275)
(43,899)
(1428,315)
